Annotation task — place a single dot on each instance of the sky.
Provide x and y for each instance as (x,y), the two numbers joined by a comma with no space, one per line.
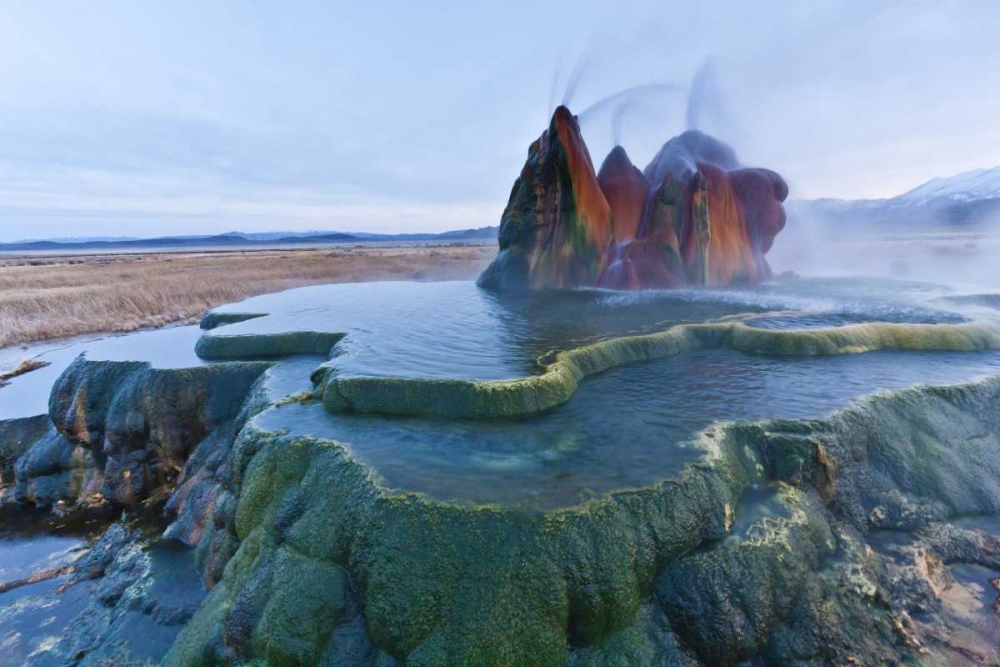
(182,117)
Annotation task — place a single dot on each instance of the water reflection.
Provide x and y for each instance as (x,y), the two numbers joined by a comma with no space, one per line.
(456,330)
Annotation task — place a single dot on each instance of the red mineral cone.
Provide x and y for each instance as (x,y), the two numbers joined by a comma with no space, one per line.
(556,228)
(626,190)
(695,216)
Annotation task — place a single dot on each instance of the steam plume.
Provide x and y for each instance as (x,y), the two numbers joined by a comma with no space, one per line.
(704,92)
(628,96)
(617,118)
(579,68)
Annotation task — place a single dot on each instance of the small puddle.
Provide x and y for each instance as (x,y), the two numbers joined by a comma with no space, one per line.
(157,589)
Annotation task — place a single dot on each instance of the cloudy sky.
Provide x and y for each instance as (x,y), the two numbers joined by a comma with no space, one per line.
(148,118)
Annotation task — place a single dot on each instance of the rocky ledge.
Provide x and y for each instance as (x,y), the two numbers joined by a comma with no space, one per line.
(864,538)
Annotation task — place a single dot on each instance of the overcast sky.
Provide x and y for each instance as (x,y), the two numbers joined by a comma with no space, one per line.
(147,118)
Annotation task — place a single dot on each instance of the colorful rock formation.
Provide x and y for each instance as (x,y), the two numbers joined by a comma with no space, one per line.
(695,216)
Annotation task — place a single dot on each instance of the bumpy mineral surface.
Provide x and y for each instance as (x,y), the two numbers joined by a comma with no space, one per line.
(695,216)
(682,478)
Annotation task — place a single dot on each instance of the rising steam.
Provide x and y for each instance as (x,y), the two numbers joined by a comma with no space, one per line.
(704,95)
(628,96)
(704,91)
(579,69)
(617,119)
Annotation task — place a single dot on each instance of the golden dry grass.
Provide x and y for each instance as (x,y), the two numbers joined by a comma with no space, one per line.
(43,298)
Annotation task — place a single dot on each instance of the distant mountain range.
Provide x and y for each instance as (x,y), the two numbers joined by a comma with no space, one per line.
(969,199)
(243,239)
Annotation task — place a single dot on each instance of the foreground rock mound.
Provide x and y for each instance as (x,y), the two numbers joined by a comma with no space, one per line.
(253,527)
(741,560)
(695,216)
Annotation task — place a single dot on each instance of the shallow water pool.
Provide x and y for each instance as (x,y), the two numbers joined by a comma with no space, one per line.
(455,330)
(625,428)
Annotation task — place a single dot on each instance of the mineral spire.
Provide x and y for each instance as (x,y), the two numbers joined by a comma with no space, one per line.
(694,216)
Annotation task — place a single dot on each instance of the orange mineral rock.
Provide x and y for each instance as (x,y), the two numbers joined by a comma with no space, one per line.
(556,228)
(695,216)
(626,190)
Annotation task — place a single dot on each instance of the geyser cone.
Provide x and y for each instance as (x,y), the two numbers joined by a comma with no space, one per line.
(557,225)
(680,156)
(728,257)
(626,190)
(761,193)
(695,216)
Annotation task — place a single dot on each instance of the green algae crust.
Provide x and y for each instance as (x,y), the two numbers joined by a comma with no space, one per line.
(214,319)
(557,383)
(259,345)
(445,584)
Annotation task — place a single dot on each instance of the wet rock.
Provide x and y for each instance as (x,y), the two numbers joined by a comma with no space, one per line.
(192,503)
(141,424)
(122,603)
(442,584)
(267,346)
(16,437)
(727,602)
(648,641)
(214,319)
(55,471)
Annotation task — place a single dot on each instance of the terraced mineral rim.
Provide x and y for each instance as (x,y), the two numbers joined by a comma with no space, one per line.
(558,382)
(269,345)
(439,584)
(410,558)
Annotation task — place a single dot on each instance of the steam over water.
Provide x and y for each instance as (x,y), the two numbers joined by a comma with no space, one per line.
(453,330)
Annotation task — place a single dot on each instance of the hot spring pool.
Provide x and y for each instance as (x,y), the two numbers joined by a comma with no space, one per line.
(625,428)
(455,330)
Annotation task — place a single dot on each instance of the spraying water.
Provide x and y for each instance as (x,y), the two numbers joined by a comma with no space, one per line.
(617,120)
(628,96)
(703,92)
(580,67)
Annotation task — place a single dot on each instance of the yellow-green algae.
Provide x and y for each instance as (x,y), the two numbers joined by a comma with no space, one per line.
(558,382)
(259,345)
(441,584)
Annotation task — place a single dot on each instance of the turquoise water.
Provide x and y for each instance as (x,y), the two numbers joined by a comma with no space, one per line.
(625,428)
(456,330)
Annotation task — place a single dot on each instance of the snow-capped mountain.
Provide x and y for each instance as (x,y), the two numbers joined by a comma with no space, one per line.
(968,186)
(967,199)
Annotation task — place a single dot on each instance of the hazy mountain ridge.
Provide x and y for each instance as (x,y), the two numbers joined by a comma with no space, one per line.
(970,198)
(239,239)
(972,185)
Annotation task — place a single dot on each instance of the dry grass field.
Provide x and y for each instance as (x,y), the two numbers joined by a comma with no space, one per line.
(43,298)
